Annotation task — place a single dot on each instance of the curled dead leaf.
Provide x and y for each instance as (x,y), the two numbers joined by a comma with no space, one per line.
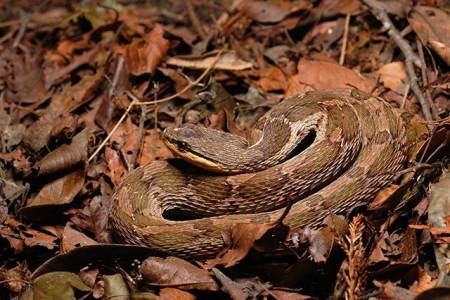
(144,55)
(176,272)
(227,61)
(66,156)
(239,241)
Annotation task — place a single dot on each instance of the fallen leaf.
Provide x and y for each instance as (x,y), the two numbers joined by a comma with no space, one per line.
(227,61)
(432,25)
(15,279)
(394,77)
(424,281)
(264,12)
(285,295)
(54,194)
(116,168)
(144,55)
(171,293)
(23,77)
(55,76)
(153,148)
(66,156)
(272,79)
(176,272)
(72,239)
(239,240)
(115,287)
(57,285)
(389,290)
(322,75)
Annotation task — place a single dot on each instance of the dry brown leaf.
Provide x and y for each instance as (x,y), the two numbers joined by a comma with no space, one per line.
(227,61)
(239,241)
(171,294)
(32,238)
(285,295)
(272,79)
(73,96)
(55,193)
(66,156)
(331,8)
(38,134)
(390,290)
(23,77)
(53,77)
(424,282)
(72,239)
(264,12)
(116,168)
(153,148)
(93,217)
(144,55)
(432,25)
(393,76)
(176,272)
(180,82)
(322,75)
(15,279)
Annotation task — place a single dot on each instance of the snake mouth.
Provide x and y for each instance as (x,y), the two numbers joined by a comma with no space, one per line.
(183,150)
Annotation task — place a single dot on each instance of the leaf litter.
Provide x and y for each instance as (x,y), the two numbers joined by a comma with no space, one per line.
(72,77)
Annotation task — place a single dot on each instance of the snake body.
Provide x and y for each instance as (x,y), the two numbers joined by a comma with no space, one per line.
(358,145)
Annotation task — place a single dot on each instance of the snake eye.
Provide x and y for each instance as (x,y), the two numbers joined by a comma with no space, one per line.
(182,146)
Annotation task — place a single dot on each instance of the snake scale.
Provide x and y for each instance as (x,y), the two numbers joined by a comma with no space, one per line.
(324,151)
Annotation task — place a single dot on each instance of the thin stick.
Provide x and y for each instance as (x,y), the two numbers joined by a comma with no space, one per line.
(122,118)
(410,57)
(22,30)
(188,86)
(381,14)
(116,77)
(140,134)
(344,39)
(425,79)
(405,95)
(136,101)
(196,24)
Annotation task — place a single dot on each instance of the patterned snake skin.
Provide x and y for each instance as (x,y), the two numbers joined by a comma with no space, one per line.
(358,145)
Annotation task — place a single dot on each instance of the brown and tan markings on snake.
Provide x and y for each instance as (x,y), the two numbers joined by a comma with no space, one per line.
(356,147)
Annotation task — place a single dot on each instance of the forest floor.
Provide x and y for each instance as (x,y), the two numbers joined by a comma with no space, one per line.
(87,88)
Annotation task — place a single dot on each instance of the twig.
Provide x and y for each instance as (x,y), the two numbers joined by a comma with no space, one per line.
(136,101)
(196,24)
(381,14)
(425,79)
(405,95)
(116,77)
(344,39)
(411,58)
(188,86)
(23,27)
(140,134)
(122,118)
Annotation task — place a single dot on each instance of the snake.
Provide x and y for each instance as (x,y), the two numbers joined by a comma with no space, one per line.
(321,152)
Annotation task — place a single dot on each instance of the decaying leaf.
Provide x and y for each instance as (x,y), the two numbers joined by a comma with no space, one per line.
(176,272)
(239,241)
(115,287)
(323,75)
(227,61)
(394,76)
(66,156)
(432,25)
(144,55)
(55,194)
(56,285)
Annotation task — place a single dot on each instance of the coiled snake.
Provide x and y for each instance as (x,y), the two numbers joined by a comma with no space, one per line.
(355,147)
